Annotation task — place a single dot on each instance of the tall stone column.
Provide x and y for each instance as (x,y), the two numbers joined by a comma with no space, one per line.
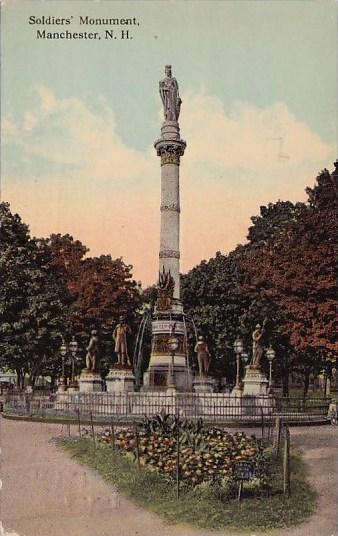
(169,370)
(170,148)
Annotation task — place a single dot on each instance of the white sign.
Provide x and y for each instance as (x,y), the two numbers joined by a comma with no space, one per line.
(165,326)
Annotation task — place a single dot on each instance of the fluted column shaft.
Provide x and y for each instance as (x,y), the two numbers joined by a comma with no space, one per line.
(170,148)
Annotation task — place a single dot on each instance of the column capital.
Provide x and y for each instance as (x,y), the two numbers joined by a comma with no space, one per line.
(170,151)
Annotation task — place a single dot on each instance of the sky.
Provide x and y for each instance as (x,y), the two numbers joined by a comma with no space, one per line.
(258,81)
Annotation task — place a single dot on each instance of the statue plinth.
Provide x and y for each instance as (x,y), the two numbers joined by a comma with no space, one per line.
(120,379)
(62,385)
(90,381)
(255,382)
(203,384)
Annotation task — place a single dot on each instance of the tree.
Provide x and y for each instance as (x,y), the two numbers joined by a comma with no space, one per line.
(286,274)
(102,290)
(295,270)
(33,300)
(210,299)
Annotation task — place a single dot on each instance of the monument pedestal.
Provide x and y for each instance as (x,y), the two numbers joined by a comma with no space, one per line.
(73,388)
(203,384)
(90,382)
(237,391)
(120,380)
(62,386)
(164,368)
(255,382)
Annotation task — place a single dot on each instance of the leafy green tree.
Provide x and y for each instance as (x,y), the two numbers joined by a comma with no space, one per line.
(285,274)
(33,301)
(295,271)
(102,290)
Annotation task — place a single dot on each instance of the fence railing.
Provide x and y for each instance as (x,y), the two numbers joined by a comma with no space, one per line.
(214,407)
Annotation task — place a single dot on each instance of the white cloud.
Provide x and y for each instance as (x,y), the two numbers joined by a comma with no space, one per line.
(107,194)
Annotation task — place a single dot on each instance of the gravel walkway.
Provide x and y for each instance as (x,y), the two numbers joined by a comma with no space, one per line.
(46,493)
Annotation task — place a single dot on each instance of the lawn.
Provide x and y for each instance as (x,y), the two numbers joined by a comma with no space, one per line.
(205,506)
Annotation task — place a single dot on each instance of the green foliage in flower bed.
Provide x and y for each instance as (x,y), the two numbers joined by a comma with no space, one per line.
(206,505)
(206,454)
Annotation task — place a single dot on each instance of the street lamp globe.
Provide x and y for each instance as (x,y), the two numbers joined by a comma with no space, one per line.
(270,353)
(63,349)
(73,346)
(245,357)
(238,346)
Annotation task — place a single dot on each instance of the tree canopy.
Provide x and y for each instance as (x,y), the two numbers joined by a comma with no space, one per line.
(284,274)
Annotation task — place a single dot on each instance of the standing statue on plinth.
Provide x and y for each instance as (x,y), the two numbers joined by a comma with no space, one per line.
(257,345)
(121,348)
(203,356)
(170,96)
(92,356)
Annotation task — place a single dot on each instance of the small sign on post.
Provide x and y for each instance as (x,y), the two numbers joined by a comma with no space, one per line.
(243,472)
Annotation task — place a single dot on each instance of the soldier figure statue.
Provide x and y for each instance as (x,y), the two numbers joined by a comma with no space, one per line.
(170,96)
(92,356)
(257,346)
(120,337)
(203,356)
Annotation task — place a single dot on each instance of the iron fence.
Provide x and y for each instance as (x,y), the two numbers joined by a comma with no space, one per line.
(213,407)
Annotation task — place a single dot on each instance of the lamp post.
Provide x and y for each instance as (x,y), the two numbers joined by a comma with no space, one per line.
(270,354)
(173,346)
(73,346)
(63,352)
(238,347)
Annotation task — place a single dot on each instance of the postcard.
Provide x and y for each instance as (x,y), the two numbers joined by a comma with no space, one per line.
(168,347)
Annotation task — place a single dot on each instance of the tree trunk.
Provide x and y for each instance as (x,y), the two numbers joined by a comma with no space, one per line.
(285,383)
(20,378)
(52,382)
(306,382)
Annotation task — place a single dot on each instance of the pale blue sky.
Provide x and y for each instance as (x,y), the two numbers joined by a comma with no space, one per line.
(253,51)
(80,118)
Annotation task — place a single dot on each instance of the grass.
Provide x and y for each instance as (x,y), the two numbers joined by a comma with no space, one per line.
(150,490)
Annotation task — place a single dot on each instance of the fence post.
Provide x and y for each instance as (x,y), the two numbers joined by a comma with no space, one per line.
(277,437)
(262,421)
(112,432)
(240,489)
(92,428)
(178,457)
(137,446)
(79,420)
(286,462)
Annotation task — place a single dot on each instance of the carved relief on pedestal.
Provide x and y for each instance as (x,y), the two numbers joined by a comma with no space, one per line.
(161,345)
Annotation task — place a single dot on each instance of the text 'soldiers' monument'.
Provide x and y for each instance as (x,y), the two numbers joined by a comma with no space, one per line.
(168,319)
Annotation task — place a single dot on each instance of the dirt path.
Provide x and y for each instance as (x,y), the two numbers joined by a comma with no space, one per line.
(319,447)
(45,493)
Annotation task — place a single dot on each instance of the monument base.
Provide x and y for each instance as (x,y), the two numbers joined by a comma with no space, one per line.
(255,382)
(62,386)
(237,391)
(73,388)
(157,378)
(120,380)
(204,384)
(90,382)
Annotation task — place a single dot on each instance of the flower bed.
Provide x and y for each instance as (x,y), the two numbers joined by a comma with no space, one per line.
(205,454)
